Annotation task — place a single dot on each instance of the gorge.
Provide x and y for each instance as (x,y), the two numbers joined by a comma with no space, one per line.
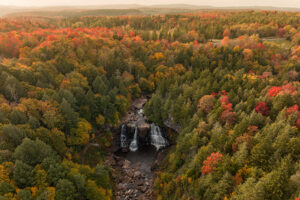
(139,144)
(137,130)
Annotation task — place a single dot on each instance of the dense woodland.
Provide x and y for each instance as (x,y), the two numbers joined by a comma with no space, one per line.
(229,79)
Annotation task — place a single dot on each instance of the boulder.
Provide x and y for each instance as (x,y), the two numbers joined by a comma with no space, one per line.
(110,161)
(139,103)
(141,197)
(126,164)
(137,174)
(140,183)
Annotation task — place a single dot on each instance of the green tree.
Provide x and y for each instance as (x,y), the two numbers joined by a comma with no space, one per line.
(248,190)
(64,65)
(80,185)
(33,152)
(65,190)
(56,172)
(24,195)
(93,193)
(12,135)
(34,122)
(23,174)
(100,85)
(102,176)
(6,188)
(17,117)
(69,113)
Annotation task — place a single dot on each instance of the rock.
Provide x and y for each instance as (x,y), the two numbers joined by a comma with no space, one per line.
(137,174)
(122,187)
(140,183)
(139,103)
(110,161)
(131,126)
(144,189)
(126,164)
(129,173)
(141,197)
(144,129)
(119,186)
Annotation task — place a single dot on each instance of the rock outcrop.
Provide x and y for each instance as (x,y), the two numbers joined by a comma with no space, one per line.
(143,129)
(172,125)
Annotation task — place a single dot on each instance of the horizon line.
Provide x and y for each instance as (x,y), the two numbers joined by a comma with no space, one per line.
(147,5)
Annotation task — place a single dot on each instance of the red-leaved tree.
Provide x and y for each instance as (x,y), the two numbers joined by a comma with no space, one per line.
(206,103)
(298,122)
(228,117)
(262,108)
(293,109)
(273,91)
(211,162)
(285,89)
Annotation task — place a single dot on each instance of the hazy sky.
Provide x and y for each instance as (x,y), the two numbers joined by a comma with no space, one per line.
(278,3)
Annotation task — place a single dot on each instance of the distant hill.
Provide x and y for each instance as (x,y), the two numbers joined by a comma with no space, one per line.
(98,12)
(78,13)
(4,10)
(121,9)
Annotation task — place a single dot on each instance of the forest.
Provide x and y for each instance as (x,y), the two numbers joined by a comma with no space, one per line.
(229,79)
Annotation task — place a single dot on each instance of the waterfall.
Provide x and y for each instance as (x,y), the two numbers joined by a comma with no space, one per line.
(134,144)
(123,136)
(141,112)
(157,138)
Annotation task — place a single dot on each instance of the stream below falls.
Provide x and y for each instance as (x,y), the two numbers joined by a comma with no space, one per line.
(141,144)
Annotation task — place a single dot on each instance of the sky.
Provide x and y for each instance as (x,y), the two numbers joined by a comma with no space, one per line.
(217,3)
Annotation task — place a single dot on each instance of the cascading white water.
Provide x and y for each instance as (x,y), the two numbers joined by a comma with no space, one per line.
(134,143)
(157,138)
(141,112)
(123,136)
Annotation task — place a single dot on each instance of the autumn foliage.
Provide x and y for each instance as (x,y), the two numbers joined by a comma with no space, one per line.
(206,103)
(211,162)
(245,138)
(285,89)
(262,108)
(227,116)
(223,79)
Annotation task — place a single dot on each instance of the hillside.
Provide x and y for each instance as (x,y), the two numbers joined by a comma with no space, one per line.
(184,106)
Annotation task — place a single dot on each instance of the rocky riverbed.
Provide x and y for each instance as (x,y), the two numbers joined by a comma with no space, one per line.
(134,172)
(133,180)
